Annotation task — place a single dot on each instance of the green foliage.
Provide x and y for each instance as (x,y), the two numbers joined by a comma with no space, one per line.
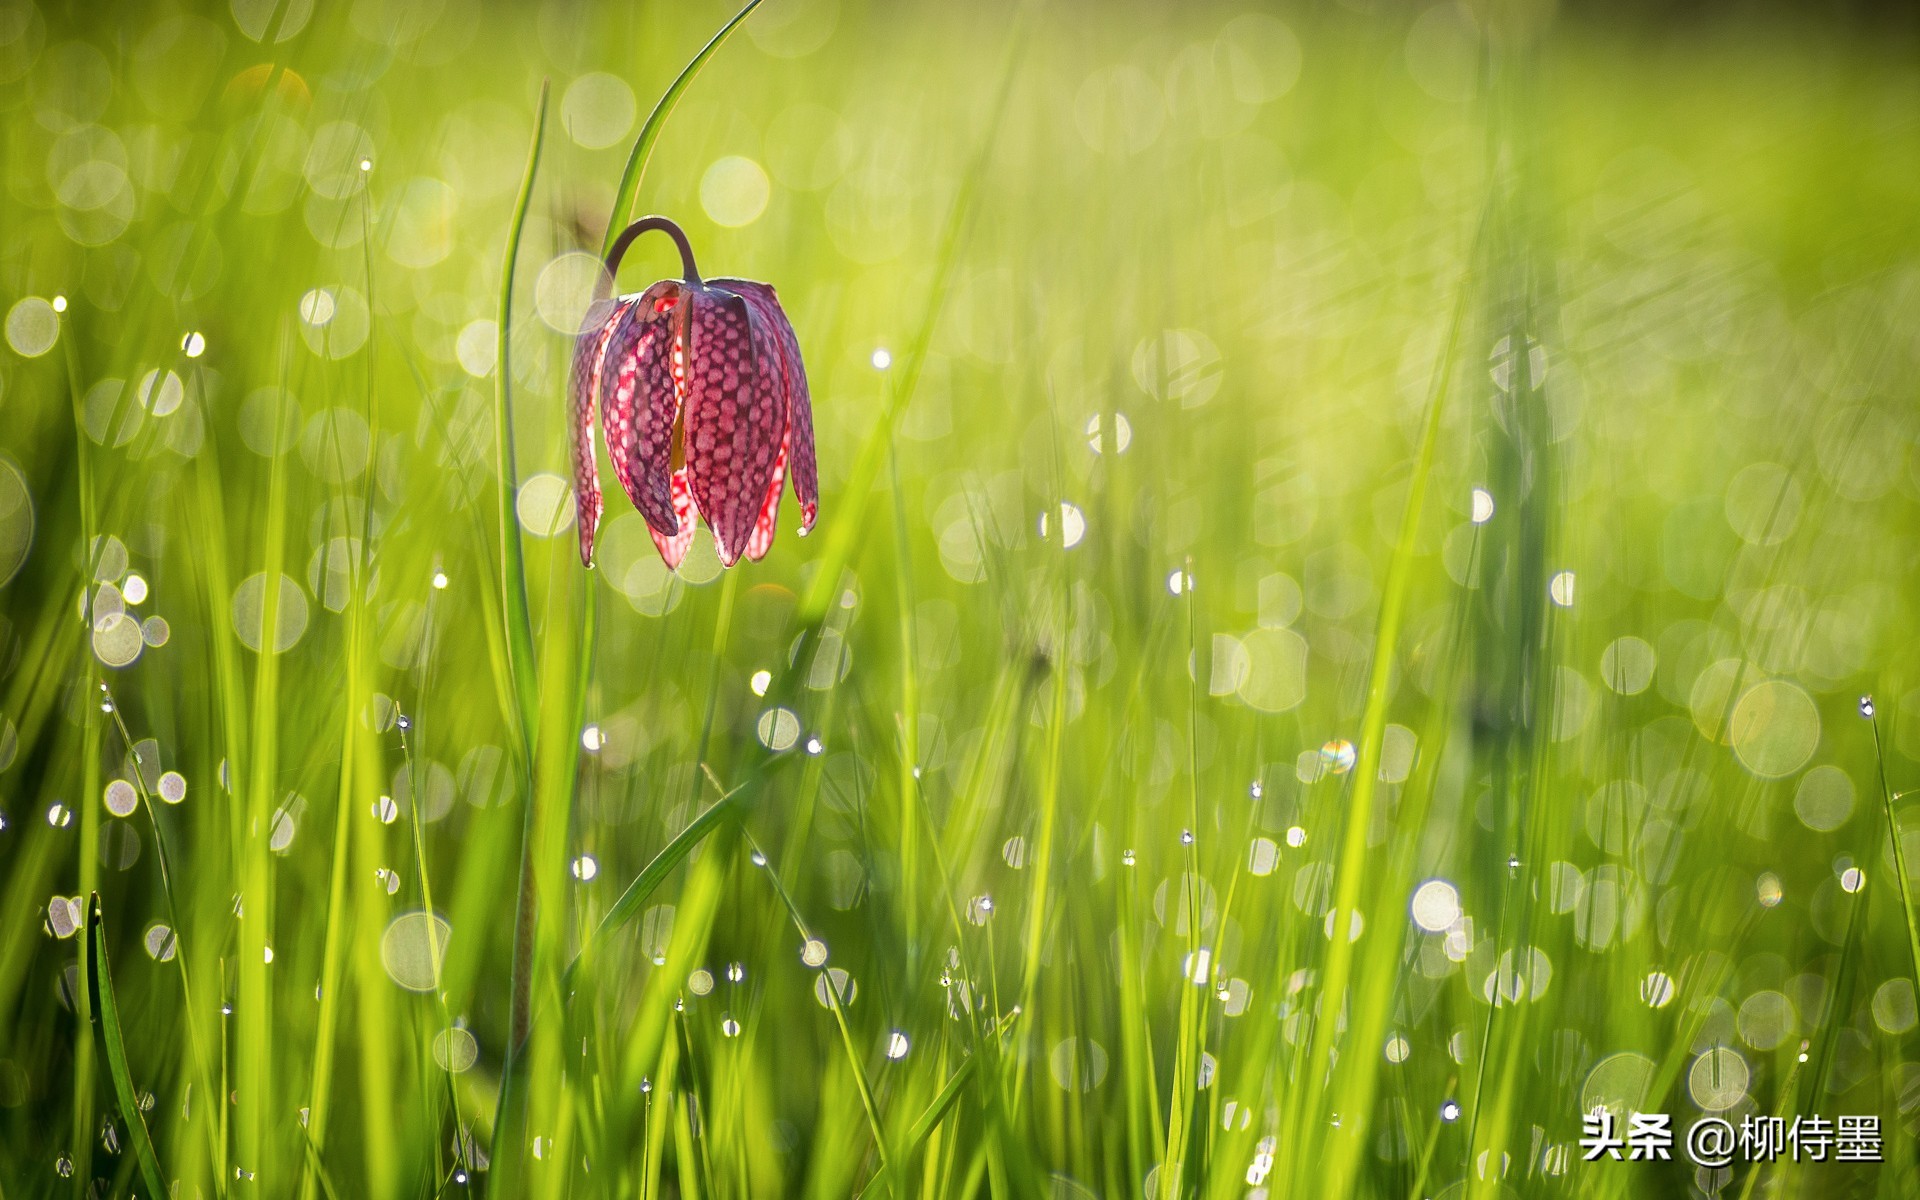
(1352,547)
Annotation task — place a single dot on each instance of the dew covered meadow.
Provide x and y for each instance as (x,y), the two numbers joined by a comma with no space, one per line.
(1361,620)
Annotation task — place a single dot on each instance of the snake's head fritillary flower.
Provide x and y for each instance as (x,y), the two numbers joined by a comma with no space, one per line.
(704,403)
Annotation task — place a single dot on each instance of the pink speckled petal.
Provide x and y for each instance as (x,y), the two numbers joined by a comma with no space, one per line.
(641,400)
(773,334)
(589,356)
(733,420)
(674,549)
(762,539)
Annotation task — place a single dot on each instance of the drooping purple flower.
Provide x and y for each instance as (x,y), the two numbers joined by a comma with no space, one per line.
(705,407)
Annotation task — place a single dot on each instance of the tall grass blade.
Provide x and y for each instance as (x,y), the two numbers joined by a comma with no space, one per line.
(636,169)
(110,1036)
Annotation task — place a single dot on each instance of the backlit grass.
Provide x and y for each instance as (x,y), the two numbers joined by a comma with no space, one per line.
(1354,551)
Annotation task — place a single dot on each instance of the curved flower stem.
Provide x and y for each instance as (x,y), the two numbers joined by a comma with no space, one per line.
(627,235)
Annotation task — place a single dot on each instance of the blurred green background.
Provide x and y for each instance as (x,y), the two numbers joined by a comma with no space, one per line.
(1354,541)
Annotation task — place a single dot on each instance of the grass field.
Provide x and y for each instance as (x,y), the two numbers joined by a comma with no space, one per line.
(1355,546)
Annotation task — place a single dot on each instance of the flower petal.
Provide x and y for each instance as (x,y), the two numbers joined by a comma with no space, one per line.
(762,539)
(641,399)
(589,353)
(674,549)
(734,419)
(770,325)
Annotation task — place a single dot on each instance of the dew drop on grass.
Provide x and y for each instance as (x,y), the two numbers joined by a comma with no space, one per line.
(1435,905)
(778,729)
(585,868)
(385,810)
(173,787)
(1450,1111)
(729,1027)
(59,815)
(897,1045)
(63,1167)
(389,880)
(1852,880)
(1338,756)
(813,952)
(832,984)
(1482,511)
(413,948)
(1296,836)
(736,972)
(1397,1049)
(64,915)
(700,982)
(159,942)
(1866,707)
(980,910)
(455,1049)
(1263,856)
(1560,589)
(121,799)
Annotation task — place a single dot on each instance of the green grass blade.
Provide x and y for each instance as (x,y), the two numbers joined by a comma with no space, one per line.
(513,564)
(110,1034)
(636,169)
(656,871)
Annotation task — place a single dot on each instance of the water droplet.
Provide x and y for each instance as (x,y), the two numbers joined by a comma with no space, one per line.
(760,681)
(366,164)
(413,948)
(63,1167)
(591,739)
(833,984)
(815,746)
(814,952)
(1450,1111)
(759,859)
(390,880)
(585,868)
(1179,582)
(59,816)
(778,729)
(403,722)
(194,344)
(120,798)
(1560,589)
(736,973)
(1255,790)
(59,304)
(1852,879)
(1338,756)
(980,910)
(440,581)
(646,1086)
(1127,858)
(1296,836)
(1866,707)
(133,589)
(1482,506)
(730,1027)
(897,1045)
(385,810)
(1513,862)
(1186,837)
(173,787)
(160,943)
(882,359)
(1121,434)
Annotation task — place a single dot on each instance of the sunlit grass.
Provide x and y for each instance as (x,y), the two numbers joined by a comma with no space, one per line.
(1353,547)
